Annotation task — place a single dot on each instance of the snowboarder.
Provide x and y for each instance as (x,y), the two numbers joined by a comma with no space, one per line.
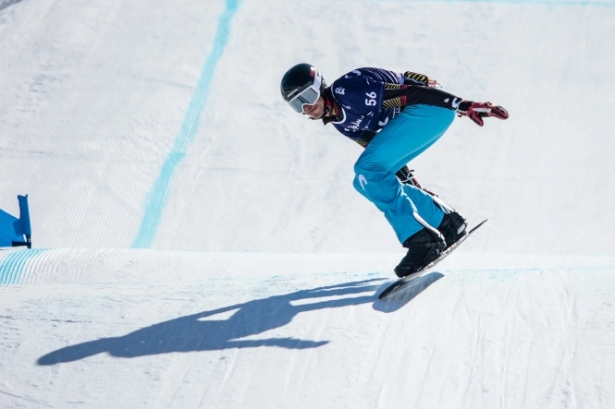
(395,117)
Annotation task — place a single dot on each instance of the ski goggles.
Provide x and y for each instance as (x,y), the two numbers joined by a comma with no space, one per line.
(307,95)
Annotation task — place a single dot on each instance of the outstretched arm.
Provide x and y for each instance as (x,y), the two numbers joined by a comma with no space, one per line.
(396,95)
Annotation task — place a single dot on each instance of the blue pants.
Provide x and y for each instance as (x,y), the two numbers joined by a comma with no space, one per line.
(405,137)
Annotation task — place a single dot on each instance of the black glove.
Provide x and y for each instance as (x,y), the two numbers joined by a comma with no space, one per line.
(476,111)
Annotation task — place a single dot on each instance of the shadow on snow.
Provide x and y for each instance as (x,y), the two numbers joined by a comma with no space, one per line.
(407,293)
(196,333)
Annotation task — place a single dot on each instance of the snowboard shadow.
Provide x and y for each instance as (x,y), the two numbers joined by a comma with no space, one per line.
(197,333)
(395,301)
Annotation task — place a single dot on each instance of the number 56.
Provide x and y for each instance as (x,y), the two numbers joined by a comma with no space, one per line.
(372,101)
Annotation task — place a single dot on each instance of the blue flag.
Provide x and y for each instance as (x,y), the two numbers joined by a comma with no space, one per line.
(13,231)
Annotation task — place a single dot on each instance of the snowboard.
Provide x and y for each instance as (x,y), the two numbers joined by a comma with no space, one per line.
(404,281)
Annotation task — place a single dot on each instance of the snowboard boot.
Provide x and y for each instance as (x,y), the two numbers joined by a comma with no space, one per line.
(453,227)
(423,248)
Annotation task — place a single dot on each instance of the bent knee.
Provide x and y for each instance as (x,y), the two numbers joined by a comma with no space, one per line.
(370,165)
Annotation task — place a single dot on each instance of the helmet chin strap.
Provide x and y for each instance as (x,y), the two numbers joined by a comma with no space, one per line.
(332,110)
(328,108)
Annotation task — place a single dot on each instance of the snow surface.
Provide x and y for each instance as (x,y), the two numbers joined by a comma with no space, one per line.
(199,245)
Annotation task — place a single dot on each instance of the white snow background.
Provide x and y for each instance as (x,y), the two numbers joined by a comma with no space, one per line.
(197,244)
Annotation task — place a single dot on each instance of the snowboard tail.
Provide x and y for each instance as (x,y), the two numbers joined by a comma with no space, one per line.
(402,282)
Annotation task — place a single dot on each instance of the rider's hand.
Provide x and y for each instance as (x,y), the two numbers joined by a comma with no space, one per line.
(476,111)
